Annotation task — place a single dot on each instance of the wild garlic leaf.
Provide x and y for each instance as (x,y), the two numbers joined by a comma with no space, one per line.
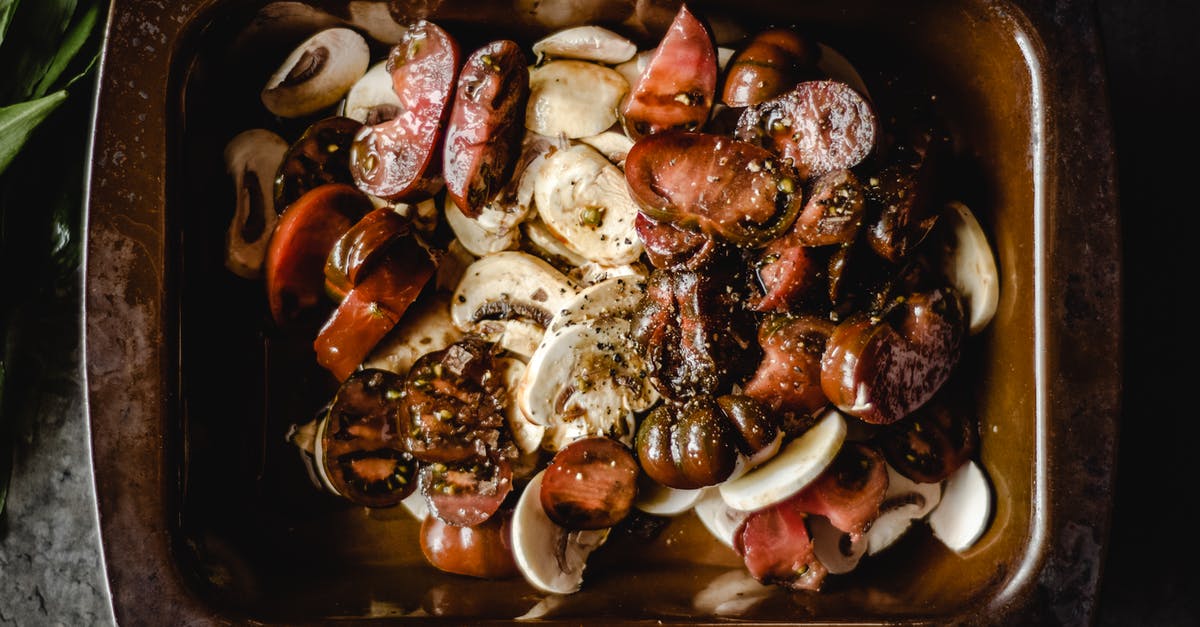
(78,35)
(29,48)
(7,7)
(18,121)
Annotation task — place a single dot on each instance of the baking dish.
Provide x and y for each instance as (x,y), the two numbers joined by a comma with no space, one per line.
(207,516)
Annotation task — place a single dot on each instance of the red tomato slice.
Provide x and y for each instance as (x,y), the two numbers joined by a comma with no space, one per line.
(394,160)
(677,88)
(776,547)
(372,308)
(301,243)
(361,247)
(467,493)
(590,484)
(850,491)
(484,550)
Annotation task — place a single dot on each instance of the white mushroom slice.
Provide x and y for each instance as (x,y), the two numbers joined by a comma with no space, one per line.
(452,266)
(659,500)
(614,145)
(721,520)
(509,285)
(426,327)
(478,240)
(372,99)
(545,244)
(585,202)
(904,502)
(724,56)
(613,298)
(586,43)
(563,13)
(573,99)
(633,68)
(317,74)
(551,558)
(966,508)
(416,505)
(373,17)
(319,455)
(731,594)
(800,461)
(519,337)
(281,23)
(592,273)
(837,550)
(585,380)
(970,265)
(252,158)
(526,435)
(831,63)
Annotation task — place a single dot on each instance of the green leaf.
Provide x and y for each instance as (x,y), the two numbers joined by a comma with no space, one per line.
(80,32)
(18,121)
(30,46)
(6,11)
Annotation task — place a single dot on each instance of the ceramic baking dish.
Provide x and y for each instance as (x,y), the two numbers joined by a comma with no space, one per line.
(207,515)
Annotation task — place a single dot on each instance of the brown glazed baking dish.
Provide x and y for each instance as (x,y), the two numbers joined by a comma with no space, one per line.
(207,515)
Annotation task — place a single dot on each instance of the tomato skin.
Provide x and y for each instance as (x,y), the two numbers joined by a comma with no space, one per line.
(687,447)
(373,307)
(320,156)
(788,380)
(484,133)
(305,234)
(395,159)
(364,456)
(772,63)
(932,443)
(361,248)
(677,88)
(483,551)
(748,198)
(590,484)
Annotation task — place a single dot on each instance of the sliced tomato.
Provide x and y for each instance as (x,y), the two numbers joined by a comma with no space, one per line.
(395,159)
(373,307)
(483,551)
(713,184)
(484,134)
(932,443)
(301,243)
(789,378)
(361,248)
(772,63)
(320,156)
(776,546)
(850,491)
(466,493)
(590,484)
(789,272)
(677,88)
(363,454)
(668,246)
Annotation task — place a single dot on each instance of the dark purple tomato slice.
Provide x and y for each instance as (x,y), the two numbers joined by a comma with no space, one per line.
(775,544)
(484,135)
(669,246)
(850,491)
(320,156)
(713,184)
(821,126)
(833,212)
(483,551)
(788,379)
(771,64)
(466,493)
(676,90)
(395,159)
(932,443)
(790,274)
(305,234)
(454,405)
(364,456)
(590,484)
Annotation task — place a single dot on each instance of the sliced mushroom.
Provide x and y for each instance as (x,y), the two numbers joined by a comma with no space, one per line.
(586,380)
(970,265)
(452,266)
(966,509)
(724,56)
(252,158)
(837,550)
(551,558)
(586,43)
(504,294)
(526,435)
(731,594)
(633,68)
(426,327)
(904,502)
(282,23)
(614,145)
(592,273)
(833,64)
(721,520)
(317,73)
(473,236)
(546,245)
(584,201)
(614,298)
(573,99)
(659,500)
(373,17)
(319,455)
(372,100)
(416,505)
